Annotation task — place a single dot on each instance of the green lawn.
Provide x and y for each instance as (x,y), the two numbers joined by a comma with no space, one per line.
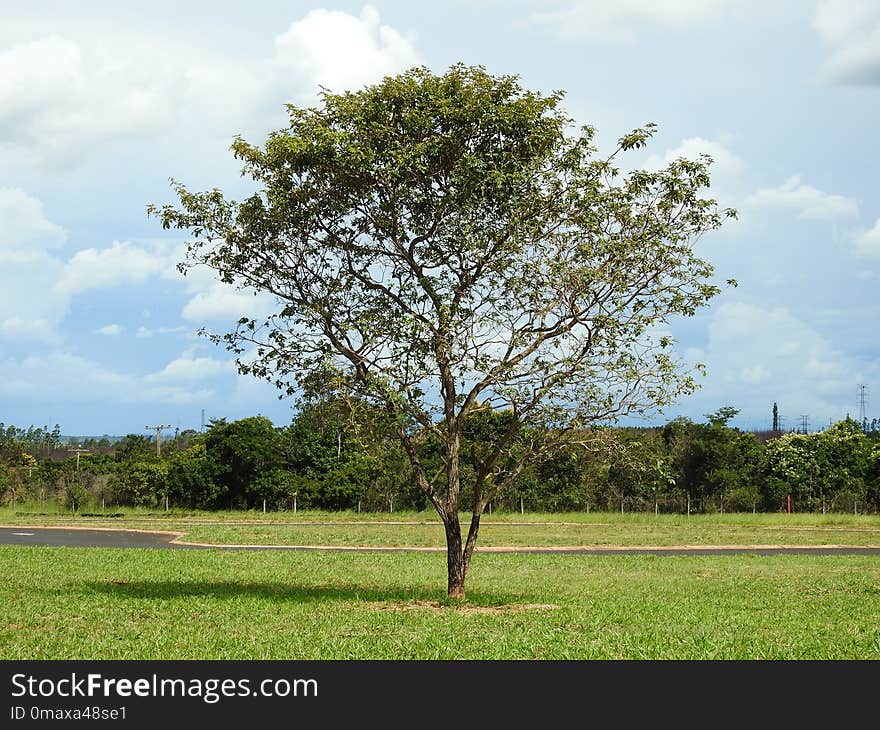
(66,603)
(549,530)
(545,535)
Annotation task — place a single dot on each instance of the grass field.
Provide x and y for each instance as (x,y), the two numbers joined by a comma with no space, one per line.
(75,603)
(541,530)
(80,603)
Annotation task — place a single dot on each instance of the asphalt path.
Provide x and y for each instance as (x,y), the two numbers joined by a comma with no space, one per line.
(111,538)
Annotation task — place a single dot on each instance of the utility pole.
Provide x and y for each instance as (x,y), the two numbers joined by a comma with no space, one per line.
(775,417)
(78,451)
(158,430)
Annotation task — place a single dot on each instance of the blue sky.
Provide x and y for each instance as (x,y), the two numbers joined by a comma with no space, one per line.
(102,102)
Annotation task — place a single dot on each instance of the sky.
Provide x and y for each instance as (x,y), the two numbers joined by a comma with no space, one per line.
(102,103)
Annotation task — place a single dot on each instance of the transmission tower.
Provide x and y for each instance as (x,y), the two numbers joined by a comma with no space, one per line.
(805,423)
(863,407)
(158,430)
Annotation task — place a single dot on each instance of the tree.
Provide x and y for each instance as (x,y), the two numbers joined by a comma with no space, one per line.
(452,243)
(189,480)
(141,483)
(844,459)
(240,453)
(818,467)
(713,461)
(135,447)
(874,476)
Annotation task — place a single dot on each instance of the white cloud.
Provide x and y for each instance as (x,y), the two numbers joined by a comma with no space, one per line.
(16,329)
(755,374)
(57,97)
(123,262)
(63,98)
(150,332)
(188,368)
(36,285)
(868,242)
(756,355)
(806,200)
(850,29)
(724,162)
(62,374)
(340,51)
(221,301)
(29,308)
(110,330)
(621,21)
(22,222)
(27,280)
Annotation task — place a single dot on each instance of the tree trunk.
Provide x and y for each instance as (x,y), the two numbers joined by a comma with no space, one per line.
(455,565)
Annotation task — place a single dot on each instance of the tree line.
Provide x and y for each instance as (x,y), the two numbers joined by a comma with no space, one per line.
(338,455)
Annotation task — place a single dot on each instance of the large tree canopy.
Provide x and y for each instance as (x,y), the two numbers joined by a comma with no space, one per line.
(451,244)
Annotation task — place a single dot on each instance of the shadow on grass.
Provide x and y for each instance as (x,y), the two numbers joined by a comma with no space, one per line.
(287,593)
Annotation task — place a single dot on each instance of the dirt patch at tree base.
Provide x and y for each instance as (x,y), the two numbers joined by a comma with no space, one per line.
(467,609)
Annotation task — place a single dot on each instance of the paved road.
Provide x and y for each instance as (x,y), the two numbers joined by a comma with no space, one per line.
(138,539)
(85,538)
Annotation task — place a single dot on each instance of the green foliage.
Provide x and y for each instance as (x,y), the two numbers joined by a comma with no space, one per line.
(333,460)
(190,479)
(34,439)
(819,468)
(873,492)
(711,460)
(135,447)
(141,483)
(639,472)
(240,453)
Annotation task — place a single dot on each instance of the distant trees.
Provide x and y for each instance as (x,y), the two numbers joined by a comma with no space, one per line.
(141,483)
(821,471)
(873,482)
(327,458)
(190,479)
(712,461)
